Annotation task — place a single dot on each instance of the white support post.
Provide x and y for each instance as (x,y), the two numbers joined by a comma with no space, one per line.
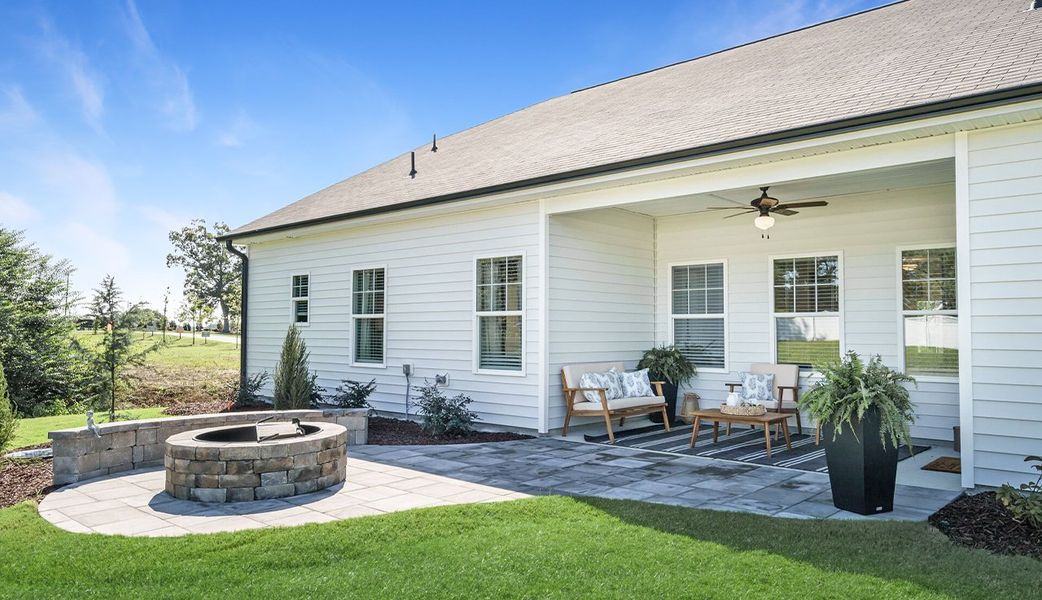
(962,253)
(544,316)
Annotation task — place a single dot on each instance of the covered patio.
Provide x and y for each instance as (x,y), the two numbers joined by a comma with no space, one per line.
(668,262)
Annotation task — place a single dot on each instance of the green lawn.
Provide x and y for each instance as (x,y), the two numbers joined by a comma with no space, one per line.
(179,352)
(807,352)
(34,431)
(923,360)
(550,547)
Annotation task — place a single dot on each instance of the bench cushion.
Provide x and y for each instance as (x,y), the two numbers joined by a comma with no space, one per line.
(621,403)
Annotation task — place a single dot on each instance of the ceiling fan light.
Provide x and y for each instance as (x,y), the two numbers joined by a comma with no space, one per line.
(764,222)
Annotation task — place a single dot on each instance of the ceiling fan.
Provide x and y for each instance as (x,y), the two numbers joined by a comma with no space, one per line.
(767,206)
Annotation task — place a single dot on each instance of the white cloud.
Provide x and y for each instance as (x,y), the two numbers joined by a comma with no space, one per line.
(16,211)
(166,78)
(85,82)
(17,113)
(82,186)
(161,218)
(241,129)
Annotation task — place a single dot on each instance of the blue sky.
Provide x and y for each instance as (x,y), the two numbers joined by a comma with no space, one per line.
(120,121)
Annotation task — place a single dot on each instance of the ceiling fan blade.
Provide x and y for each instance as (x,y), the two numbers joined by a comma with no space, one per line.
(727,208)
(801,205)
(740,214)
(785,212)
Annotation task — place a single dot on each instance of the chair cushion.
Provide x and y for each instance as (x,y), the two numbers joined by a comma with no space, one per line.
(621,403)
(757,388)
(609,381)
(636,384)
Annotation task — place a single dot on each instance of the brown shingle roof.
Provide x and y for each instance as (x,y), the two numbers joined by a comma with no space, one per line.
(899,56)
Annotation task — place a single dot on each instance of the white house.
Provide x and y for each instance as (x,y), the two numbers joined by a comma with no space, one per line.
(580,230)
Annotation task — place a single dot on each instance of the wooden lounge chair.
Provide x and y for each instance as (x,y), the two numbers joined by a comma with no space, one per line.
(576,404)
(786,379)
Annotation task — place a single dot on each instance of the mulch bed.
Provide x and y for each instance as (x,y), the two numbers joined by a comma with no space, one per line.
(397,432)
(22,480)
(981,521)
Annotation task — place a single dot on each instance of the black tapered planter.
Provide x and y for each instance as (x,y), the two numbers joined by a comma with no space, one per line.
(670,392)
(862,471)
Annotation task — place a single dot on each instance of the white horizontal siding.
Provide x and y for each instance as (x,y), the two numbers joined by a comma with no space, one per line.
(1005,236)
(429,305)
(868,229)
(601,293)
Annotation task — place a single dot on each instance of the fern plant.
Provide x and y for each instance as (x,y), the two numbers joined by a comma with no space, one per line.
(849,388)
(669,363)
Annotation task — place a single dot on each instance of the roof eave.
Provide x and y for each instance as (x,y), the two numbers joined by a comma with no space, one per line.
(963,103)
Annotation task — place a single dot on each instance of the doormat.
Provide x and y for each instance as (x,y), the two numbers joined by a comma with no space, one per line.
(944,464)
(743,445)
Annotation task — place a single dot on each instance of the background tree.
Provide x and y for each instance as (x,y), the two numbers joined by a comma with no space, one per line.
(8,420)
(211,272)
(165,323)
(105,301)
(45,372)
(117,351)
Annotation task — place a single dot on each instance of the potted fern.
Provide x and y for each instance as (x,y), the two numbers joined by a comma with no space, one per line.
(667,364)
(864,411)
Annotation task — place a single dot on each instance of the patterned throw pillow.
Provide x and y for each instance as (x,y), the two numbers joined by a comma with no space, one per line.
(610,381)
(636,384)
(757,388)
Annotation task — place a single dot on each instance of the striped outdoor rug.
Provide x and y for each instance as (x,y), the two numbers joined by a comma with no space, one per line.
(743,445)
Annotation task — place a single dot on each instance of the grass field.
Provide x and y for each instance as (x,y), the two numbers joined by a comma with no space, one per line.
(549,547)
(34,431)
(178,352)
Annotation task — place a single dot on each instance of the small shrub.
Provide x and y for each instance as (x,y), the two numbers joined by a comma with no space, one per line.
(295,386)
(8,420)
(248,393)
(445,416)
(1025,502)
(354,394)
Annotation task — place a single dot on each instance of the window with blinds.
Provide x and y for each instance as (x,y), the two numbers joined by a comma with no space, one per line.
(368,289)
(807,313)
(929,310)
(300,298)
(699,314)
(499,307)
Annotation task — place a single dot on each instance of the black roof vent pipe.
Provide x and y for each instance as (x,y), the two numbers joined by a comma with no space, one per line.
(434,147)
(412,171)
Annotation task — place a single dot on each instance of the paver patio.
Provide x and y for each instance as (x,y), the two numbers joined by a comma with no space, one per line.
(384,479)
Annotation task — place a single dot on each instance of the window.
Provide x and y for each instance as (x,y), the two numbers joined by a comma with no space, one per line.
(367,313)
(299,295)
(699,317)
(929,312)
(499,305)
(807,317)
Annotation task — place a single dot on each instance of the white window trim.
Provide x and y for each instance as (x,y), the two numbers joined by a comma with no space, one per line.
(354,317)
(727,323)
(902,313)
(772,316)
(476,328)
(293,300)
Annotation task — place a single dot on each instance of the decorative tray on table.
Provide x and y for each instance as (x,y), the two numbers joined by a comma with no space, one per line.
(745,410)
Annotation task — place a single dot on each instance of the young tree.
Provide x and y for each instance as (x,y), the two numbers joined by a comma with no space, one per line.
(211,272)
(116,352)
(166,301)
(295,386)
(104,304)
(44,371)
(8,420)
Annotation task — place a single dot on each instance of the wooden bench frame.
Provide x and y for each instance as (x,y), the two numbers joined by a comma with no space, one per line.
(604,411)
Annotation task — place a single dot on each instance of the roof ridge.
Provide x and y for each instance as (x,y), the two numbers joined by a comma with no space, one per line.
(730,48)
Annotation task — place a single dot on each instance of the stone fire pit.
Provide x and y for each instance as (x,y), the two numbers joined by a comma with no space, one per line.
(228,464)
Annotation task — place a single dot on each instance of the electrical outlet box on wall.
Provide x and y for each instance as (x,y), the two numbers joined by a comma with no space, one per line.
(442,379)
(407,369)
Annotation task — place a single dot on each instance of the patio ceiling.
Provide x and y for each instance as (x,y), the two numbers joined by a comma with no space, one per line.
(831,188)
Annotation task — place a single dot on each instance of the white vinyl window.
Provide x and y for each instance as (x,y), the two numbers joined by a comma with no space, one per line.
(499,314)
(929,311)
(368,291)
(300,294)
(807,309)
(699,313)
